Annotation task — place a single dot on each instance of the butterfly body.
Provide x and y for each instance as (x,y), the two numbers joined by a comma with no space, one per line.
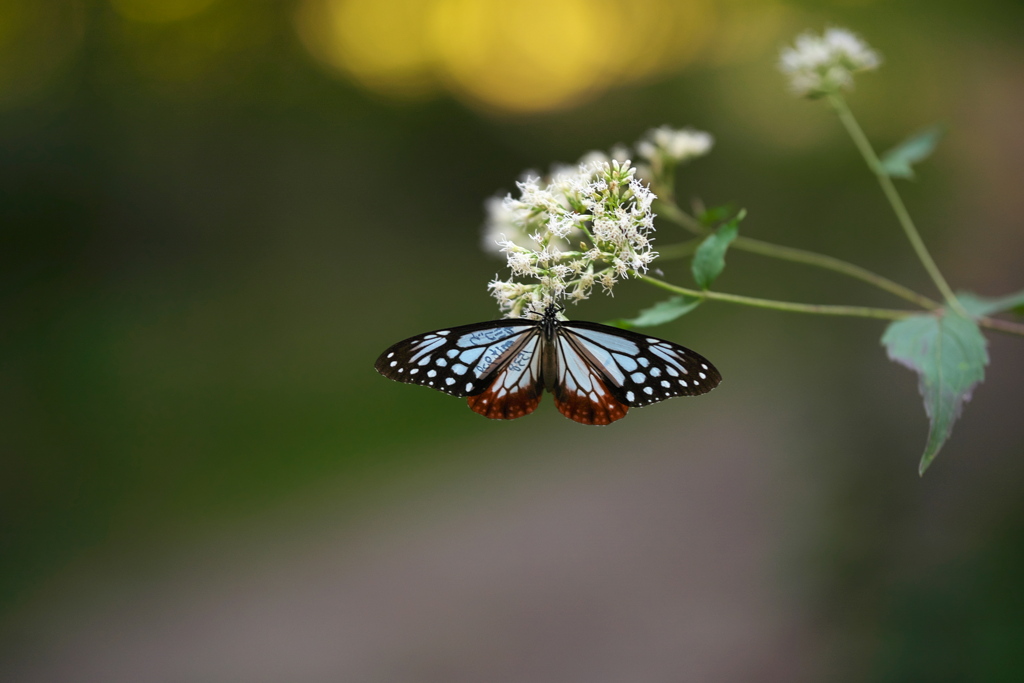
(595,372)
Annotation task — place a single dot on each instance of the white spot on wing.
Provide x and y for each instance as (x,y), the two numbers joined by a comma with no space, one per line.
(459,368)
(449,381)
(432,373)
(648,390)
(630,396)
(638,377)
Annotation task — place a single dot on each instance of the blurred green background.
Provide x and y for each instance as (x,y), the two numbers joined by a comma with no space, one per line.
(216,213)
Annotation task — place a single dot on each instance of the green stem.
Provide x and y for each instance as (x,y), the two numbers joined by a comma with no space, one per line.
(868,152)
(1001,325)
(816,309)
(834,264)
(685,220)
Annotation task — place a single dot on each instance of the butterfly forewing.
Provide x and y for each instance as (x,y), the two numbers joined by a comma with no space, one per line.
(641,370)
(460,361)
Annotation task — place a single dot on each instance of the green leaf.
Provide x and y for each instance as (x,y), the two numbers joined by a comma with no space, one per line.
(985,305)
(897,162)
(660,313)
(949,354)
(715,215)
(709,259)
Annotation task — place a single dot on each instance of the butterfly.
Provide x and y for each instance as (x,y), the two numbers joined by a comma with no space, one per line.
(595,372)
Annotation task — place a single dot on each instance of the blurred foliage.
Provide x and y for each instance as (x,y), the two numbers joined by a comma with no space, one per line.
(208,235)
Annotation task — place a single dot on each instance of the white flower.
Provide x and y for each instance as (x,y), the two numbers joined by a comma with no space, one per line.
(598,207)
(669,144)
(820,65)
(521,263)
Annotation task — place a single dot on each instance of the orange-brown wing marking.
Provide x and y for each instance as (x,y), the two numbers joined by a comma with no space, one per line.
(581,393)
(517,387)
(505,406)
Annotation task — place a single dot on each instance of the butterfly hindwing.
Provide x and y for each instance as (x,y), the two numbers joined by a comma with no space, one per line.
(582,392)
(516,387)
(640,370)
(460,361)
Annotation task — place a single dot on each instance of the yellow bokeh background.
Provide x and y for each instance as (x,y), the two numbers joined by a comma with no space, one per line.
(505,56)
(521,55)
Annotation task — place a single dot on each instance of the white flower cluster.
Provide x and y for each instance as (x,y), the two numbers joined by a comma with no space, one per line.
(583,227)
(821,65)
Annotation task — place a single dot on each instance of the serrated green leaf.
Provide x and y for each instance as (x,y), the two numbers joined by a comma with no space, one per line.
(949,355)
(709,259)
(985,305)
(660,313)
(897,161)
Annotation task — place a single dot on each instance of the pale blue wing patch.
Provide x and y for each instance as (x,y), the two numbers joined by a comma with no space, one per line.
(491,357)
(512,369)
(576,373)
(581,391)
(610,341)
(425,346)
(484,337)
(522,371)
(610,363)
